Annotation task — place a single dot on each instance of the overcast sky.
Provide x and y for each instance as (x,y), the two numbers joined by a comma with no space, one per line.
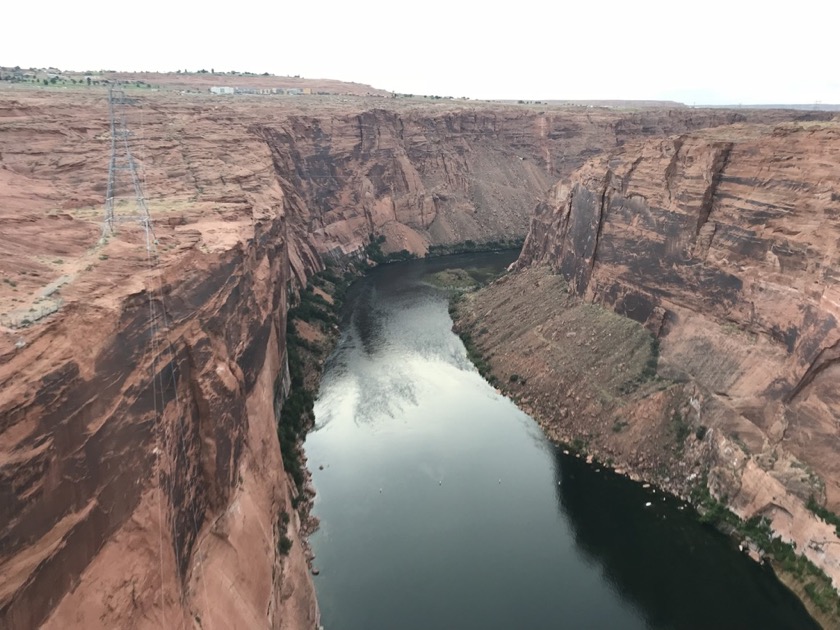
(714,51)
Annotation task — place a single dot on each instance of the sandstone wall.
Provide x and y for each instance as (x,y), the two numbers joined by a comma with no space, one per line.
(432,175)
(142,484)
(141,474)
(724,243)
(145,472)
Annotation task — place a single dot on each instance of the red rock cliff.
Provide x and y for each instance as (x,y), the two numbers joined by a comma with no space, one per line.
(142,479)
(423,175)
(131,504)
(724,243)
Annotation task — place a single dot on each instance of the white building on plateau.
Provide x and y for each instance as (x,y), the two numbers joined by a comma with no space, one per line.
(221,90)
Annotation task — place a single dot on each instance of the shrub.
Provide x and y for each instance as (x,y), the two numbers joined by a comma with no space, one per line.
(284,544)
(828,516)
(578,445)
(682,429)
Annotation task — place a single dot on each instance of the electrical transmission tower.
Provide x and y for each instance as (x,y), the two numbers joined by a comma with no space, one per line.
(123,180)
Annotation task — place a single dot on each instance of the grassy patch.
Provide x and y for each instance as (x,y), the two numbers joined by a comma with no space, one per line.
(313,307)
(294,419)
(453,279)
(649,371)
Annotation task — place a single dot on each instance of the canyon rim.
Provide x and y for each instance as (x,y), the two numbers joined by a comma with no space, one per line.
(125,504)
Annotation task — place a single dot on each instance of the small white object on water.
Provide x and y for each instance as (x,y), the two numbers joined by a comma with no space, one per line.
(380,490)
(648,504)
(500,481)
(440,483)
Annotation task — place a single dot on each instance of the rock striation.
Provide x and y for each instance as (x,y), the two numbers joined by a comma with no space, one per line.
(420,176)
(141,481)
(723,243)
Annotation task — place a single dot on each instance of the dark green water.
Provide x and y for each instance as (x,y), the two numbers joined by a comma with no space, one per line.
(443,506)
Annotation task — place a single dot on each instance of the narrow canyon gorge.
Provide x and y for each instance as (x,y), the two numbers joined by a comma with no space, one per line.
(142,477)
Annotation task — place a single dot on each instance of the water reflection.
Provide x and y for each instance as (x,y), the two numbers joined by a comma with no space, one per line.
(390,344)
(680,573)
(366,324)
(438,499)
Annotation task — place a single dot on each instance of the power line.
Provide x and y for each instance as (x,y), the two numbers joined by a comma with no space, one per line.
(125,187)
(125,202)
(122,172)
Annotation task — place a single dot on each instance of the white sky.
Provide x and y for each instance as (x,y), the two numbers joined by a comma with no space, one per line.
(712,51)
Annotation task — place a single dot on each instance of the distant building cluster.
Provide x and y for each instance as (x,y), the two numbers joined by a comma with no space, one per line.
(250,90)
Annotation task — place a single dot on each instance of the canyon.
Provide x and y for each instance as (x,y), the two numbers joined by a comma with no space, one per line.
(142,478)
(720,250)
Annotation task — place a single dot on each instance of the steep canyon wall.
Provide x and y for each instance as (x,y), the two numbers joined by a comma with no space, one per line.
(142,483)
(433,175)
(724,244)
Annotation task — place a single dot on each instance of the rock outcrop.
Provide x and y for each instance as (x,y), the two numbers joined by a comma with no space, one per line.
(142,479)
(142,482)
(724,244)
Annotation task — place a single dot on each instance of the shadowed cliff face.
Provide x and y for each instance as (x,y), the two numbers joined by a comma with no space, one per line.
(141,474)
(724,243)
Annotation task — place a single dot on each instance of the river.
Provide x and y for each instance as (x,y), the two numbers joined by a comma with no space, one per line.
(442,505)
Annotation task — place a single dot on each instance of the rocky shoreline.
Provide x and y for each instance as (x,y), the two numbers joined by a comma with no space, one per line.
(589,378)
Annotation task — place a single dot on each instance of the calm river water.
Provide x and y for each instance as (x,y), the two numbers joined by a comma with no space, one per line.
(443,506)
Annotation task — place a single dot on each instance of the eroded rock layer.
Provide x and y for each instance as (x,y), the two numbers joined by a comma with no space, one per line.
(420,176)
(724,244)
(141,482)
